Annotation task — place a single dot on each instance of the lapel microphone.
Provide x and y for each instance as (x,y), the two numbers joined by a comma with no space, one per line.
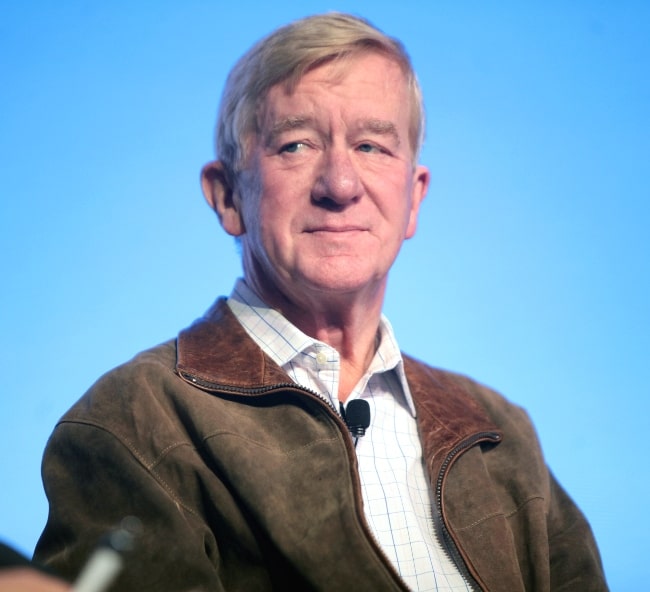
(356,417)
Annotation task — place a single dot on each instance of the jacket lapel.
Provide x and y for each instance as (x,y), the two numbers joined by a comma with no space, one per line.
(201,352)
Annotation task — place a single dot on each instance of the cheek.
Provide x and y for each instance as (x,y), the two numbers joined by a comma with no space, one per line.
(279,202)
(270,218)
(397,200)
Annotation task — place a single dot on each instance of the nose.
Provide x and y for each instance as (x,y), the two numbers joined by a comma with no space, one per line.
(338,182)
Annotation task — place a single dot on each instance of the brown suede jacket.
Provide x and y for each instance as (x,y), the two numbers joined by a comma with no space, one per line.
(245,481)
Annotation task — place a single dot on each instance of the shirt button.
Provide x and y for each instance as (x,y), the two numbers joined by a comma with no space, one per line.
(321,357)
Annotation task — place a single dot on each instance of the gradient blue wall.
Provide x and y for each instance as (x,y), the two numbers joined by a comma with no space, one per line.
(529,270)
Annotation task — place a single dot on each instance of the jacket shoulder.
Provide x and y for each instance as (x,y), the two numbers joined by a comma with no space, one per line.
(463,391)
(131,383)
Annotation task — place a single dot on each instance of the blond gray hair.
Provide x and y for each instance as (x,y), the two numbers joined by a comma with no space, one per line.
(285,56)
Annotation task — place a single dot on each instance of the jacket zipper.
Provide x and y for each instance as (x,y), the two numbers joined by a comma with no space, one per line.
(214,387)
(440,527)
(260,390)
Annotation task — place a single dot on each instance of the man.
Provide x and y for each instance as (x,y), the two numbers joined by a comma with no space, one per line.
(229,443)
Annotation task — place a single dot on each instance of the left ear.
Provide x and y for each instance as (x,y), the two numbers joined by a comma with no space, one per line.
(220,196)
(419,190)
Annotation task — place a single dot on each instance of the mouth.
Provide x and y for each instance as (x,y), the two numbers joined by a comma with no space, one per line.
(335,229)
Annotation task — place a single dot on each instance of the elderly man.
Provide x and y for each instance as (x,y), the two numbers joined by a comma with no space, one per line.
(234,443)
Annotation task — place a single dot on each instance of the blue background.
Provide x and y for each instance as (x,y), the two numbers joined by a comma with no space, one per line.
(529,270)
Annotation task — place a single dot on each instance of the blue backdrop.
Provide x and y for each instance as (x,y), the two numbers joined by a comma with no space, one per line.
(529,270)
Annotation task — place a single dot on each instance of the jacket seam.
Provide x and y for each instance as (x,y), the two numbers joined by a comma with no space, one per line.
(569,585)
(505,515)
(163,453)
(287,453)
(148,467)
(564,530)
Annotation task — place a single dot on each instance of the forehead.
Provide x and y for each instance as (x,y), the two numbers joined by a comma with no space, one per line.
(370,82)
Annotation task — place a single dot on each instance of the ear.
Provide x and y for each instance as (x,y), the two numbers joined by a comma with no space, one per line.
(419,190)
(219,194)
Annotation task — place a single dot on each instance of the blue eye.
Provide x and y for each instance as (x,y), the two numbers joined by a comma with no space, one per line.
(291,147)
(367,148)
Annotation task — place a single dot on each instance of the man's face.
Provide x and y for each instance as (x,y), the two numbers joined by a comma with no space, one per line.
(330,191)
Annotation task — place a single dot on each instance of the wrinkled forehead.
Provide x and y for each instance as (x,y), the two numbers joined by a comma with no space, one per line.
(374,79)
(337,67)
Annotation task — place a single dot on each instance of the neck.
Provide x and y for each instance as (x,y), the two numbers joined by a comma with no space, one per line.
(353,335)
(347,322)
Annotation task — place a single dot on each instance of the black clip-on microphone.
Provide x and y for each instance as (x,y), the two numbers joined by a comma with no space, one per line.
(356,417)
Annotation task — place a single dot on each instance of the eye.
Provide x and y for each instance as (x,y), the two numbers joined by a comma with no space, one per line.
(369,148)
(292,147)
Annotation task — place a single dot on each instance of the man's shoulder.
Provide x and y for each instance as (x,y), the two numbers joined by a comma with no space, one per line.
(152,361)
(129,383)
(462,387)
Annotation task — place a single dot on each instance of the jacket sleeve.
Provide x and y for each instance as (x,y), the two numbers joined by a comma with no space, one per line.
(574,558)
(93,481)
(553,543)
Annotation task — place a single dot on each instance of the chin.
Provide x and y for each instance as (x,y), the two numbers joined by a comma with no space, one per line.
(341,283)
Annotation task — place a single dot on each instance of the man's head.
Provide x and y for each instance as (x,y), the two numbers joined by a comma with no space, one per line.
(284,57)
(318,134)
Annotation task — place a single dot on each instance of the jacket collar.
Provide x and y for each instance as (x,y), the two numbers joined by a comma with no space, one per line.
(448,412)
(217,350)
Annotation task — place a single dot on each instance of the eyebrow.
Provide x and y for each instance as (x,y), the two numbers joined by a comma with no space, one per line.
(287,124)
(380,127)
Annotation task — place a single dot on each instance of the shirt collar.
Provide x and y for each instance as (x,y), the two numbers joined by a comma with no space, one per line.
(282,341)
